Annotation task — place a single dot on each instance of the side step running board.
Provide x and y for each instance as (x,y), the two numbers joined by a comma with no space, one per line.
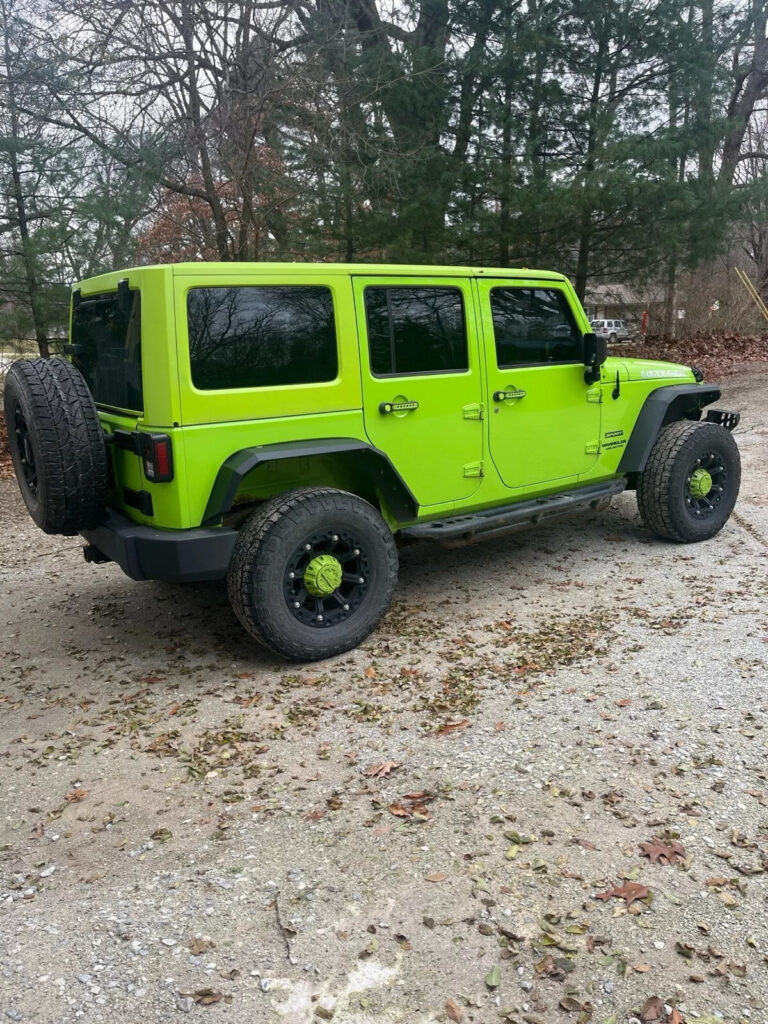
(495,522)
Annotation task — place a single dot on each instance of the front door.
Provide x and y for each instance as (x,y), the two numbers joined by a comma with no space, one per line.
(544,421)
(421,381)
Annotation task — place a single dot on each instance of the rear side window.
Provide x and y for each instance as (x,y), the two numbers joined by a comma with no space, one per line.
(259,336)
(533,325)
(105,345)
(415,330)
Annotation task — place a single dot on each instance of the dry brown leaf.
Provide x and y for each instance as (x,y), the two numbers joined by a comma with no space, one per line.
(207,996)
(198,946)
(629,892)
(450,727)
(77,794)
(453,1011)
(653,1009)
(380,771)
(436,876)
(399,810)
(662,851)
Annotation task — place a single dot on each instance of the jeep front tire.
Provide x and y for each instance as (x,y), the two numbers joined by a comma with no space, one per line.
(691,481)
(312,572)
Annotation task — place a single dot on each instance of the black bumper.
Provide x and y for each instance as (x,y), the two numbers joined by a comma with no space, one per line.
(144,553)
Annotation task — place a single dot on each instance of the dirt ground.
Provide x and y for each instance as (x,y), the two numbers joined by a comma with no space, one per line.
(446,824)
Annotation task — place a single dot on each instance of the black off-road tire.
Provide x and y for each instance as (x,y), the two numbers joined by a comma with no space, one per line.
(57,445)
(663,490)
(273,540)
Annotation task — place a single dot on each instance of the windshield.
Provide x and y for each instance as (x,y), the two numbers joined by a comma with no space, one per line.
(106,348)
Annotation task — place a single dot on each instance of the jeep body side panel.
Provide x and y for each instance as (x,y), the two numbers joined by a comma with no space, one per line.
(161,412)
(664,405)
(207,448)
(547,431)
(256,404)
(422,380)
(365,461)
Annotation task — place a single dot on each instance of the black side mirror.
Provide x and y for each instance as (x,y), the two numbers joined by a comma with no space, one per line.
(595,354)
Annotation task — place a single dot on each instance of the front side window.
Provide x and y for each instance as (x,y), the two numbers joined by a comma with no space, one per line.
(533,325)
(106,348)
(258,336)
(415,330)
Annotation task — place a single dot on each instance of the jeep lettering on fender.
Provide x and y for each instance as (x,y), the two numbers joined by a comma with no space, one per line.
(283,426)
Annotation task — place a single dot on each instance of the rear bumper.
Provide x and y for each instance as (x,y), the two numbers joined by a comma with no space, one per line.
(144,553)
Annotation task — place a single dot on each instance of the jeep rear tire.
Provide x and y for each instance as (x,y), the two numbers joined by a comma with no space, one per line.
(691,481)
(57,444)
(312,572)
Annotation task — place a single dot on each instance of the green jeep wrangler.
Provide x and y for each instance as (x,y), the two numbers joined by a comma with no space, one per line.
(284,425)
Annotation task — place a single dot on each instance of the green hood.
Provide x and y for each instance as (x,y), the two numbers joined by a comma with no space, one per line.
(654,369)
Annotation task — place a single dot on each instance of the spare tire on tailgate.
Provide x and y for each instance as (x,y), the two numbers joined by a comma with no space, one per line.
(57,444)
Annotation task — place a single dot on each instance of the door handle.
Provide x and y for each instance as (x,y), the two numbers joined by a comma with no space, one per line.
(505,396)
(387,407)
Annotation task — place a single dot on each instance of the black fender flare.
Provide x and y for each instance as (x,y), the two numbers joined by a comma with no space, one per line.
(373,464)
(666,404)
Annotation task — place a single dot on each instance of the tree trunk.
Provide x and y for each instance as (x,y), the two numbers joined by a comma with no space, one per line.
(34,297)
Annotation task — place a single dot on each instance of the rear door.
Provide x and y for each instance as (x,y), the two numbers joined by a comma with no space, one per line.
(544,424)
(421,381)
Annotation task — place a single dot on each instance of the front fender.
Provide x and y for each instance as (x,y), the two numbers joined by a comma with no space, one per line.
(664,405)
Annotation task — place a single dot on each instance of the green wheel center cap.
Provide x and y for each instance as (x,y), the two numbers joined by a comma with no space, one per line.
(323,575)
(701,483)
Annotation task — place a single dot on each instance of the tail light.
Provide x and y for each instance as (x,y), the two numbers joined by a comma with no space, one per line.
(157,457)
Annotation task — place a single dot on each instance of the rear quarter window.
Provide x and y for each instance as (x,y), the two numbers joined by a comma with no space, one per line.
(105,345)
(257,336)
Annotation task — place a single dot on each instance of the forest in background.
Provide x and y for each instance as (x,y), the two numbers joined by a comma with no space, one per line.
(615,140)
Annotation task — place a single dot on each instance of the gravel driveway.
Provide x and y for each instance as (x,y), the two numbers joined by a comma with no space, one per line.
(416,831)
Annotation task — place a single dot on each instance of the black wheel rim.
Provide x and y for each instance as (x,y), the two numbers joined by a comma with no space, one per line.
(326,610)
(705,485)
(25,450)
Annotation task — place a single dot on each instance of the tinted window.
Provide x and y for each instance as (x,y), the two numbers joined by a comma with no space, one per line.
(533,325)
(261,336)
(106,348)
(415,330)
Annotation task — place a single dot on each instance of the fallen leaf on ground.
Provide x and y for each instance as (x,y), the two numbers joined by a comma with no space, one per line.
(493,977)
(76,794)
(629,892)
(653,1009)
(450,727)
(661,851)
(437,876)
(380,771)
(453,1010)
(206,996)
(198,946)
